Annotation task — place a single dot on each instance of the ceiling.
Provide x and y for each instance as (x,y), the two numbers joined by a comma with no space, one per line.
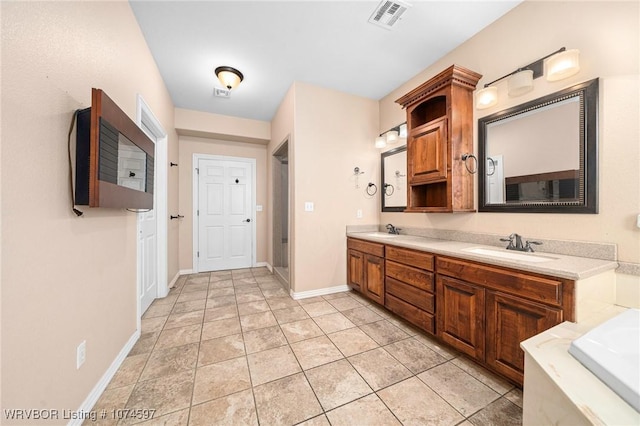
(274,43)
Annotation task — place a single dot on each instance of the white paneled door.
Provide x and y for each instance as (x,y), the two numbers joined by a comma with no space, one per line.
(224,214)
(148,265)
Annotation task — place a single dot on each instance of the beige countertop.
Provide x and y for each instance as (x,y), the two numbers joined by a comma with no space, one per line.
(557,265)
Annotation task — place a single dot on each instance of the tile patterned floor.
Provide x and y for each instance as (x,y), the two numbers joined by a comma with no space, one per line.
(232,348)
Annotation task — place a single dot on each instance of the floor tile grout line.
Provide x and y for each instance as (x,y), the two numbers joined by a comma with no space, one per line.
(411,334)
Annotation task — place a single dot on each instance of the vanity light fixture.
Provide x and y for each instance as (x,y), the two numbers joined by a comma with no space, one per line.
(229,76)
(560,64)
(520,83)
(563,65)
(391,136)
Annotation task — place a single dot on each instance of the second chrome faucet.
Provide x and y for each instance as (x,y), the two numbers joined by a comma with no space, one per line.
(515,243)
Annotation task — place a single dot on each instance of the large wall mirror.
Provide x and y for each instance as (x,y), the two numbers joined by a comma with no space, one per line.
(541,156)
(394,171)
(394,180)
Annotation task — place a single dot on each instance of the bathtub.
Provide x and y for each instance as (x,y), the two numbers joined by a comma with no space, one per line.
(611,351)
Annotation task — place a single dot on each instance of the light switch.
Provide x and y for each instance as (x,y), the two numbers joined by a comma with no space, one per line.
(308,206)
(638,221)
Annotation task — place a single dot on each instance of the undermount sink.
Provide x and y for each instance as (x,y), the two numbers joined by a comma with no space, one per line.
(380,235)
(511,255)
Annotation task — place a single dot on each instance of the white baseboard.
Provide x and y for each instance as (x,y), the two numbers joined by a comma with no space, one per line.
(319,292)
(97,390)
(185,271)
(174,280)
(263,264)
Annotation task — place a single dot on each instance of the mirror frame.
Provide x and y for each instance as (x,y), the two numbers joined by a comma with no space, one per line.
(588,93)
(382,197)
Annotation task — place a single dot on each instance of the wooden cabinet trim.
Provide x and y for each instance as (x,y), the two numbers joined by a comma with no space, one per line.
(414,315)
(415,277)
(419,259)
(375,249)
(511,320)
(534,287)
(412,295)
(460,315)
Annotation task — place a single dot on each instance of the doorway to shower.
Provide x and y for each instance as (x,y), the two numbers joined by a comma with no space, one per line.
(281,246)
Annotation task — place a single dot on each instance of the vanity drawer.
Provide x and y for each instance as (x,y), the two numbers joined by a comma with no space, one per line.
(415,258)
(415,277)
(546,290)
(414,315)
(419,298)
(365,247)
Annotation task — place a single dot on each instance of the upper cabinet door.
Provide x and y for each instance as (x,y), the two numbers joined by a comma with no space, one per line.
(427,158)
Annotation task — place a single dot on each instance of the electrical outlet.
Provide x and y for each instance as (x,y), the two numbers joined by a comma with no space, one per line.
(308,206)
(81,354)
(359,213)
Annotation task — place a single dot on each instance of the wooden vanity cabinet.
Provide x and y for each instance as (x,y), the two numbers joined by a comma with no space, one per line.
(365,268)
(511,320)
(461,310)
(440,131)
(409,286)
(486,311)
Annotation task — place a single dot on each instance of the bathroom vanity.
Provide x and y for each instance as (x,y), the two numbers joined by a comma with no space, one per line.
(477,299)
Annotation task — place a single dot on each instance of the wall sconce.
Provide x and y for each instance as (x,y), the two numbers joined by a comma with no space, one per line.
(560,64)
(229,77)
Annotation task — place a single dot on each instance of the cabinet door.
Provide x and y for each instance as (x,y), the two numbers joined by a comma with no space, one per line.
(460,315)
(510,320)
(374,278)
(427,153)
(355,270)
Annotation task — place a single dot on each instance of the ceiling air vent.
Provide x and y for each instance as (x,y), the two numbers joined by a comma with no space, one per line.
(221,93)
(388,13)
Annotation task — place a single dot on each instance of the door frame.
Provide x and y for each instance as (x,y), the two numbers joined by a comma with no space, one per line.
(145,116)
(196,200)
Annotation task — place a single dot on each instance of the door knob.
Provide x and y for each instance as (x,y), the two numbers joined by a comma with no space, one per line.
(247,220)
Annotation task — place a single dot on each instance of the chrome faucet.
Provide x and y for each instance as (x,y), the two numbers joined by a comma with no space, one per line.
(518,243)
(393,230)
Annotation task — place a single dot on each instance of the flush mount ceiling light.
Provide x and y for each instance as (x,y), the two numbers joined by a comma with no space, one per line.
(560,64)
(229,77)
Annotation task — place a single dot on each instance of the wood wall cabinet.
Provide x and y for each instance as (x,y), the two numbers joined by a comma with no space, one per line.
(440,131)
(409,286)
(365,268)
(486,311)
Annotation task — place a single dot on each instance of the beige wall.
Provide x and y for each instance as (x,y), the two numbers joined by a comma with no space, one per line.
(224,127)
(66,279)
(334,133)
(282,129)
(607,35)
(190,145)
